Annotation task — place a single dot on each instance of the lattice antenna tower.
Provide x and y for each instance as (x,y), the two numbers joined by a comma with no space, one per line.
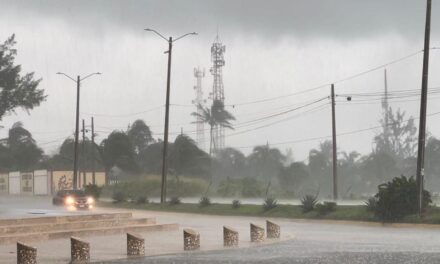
(199,102)
(218,61)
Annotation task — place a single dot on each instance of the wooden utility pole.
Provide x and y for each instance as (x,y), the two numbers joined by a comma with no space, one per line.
(335,157)
(75,158)
(84,152)
(93,152)
(423,102)
(163,193)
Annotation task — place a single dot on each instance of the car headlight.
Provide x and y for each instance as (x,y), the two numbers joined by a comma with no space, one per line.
(90,200)
(69,200)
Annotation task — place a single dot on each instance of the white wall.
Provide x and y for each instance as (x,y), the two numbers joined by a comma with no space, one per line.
(14,182)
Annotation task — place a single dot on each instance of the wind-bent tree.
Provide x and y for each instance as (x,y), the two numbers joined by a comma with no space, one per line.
(266,162)
(117,150)
(22,149)
(16,90)
(140,135)
(215,116)
(187,159)
(64,158)
(320,165)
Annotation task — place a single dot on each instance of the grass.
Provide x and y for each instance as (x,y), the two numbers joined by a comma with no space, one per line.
(346,213)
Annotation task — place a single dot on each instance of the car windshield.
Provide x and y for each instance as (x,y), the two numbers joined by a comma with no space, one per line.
(71,192)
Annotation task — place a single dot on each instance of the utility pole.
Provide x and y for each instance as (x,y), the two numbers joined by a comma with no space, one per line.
(84,152)
(385,109)
(423,103)
(335,157)
(93,152)
(170,41)
(163,193)
(75,160)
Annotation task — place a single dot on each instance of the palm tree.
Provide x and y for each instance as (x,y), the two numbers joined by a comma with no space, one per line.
(214,116)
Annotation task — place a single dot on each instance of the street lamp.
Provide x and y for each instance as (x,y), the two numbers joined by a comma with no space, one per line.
(167,108)
(75,160)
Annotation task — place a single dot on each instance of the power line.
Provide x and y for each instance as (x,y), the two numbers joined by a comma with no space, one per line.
(341,134)
(333,82)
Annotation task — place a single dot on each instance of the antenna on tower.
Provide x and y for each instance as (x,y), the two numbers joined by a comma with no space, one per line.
(218,94)
(199,102)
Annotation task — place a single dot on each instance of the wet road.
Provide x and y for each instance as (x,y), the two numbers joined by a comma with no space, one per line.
(305,241)
(299,252)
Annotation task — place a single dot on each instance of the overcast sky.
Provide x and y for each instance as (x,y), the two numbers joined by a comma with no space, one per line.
(273,49)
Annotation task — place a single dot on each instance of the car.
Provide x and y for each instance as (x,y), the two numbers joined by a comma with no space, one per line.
(73,199)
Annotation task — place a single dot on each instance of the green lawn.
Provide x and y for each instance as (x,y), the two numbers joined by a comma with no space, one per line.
(348,213)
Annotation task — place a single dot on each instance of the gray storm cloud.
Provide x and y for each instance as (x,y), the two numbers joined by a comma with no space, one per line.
(317,18)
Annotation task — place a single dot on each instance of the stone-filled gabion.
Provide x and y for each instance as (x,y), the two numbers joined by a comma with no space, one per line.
(191,239)
(230,237)
(273,230)
(135,245)
(257,233)
(79,250)
(26,254)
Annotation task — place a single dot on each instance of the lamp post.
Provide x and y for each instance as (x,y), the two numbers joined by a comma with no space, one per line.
(75,159)
(170,41)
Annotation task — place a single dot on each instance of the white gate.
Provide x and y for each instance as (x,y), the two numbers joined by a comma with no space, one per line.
(27,183)
(14,182)
(41,182)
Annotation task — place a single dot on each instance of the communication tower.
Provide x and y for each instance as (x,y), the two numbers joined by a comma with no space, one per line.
(218,94)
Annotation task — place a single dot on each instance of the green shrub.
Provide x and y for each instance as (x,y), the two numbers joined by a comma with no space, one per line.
(93,190)
(119,196)
(398,198)
(142,200)
(204,201)
(308,203)
(371,204)
(326,207)
(175,201)
(236,204)
(269,203)
(150,186)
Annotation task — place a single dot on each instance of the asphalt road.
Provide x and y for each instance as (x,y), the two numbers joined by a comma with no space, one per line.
(299,252)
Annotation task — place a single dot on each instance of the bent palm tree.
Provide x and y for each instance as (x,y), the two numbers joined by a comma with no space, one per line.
(214,116)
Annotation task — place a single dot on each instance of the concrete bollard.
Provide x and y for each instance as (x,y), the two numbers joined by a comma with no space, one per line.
(191,239)
(135,245)
(26,254)
(230,237)
(257,233)
(79,251)
(273,230)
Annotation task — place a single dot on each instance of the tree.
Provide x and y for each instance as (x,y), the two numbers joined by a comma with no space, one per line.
(16,90)
(230,163)
(350,178)
(20,149)
(150,159)
(266,162)
(293,177)
(398,138)
(187,159)
(140,135)
(215,116)
(377,168)
(65,156)
(432,164)
(118,151)
(320,165)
